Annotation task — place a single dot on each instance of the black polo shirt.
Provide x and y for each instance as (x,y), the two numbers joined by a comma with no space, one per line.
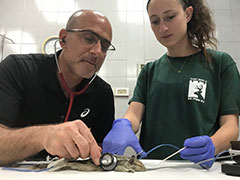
(30,94)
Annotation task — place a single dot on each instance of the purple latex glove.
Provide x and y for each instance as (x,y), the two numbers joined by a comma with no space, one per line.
(119,137)
(198,149)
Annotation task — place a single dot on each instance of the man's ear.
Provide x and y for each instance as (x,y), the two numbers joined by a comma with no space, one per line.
(189,13)
(62,37)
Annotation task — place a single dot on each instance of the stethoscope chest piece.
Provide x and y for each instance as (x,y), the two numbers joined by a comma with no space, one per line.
(108,161)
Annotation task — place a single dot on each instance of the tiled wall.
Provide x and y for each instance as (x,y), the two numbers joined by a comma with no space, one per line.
(30,22)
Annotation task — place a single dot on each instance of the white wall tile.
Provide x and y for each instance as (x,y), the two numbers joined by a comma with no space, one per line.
(117,69)
(134,19)
(132,65)
(237,45)
(235,4)
(102,5)
(50,5)
(135,35)
(3,18)
(153,49)
(223,17)
(48,18)
(135,43)
(14,18)
(120,52)
(228,47)
(238,63)
(121,105)
(235,17)
(103,72)
(33,5)
(29,48)
(11,49)
(66,5)
(135,51)
(118,22)
(2,29)
(117,82)
(131,83)
(146,20)
(221,4)
(135,5)
(63,18)
(14,32)
(210,4)
(30,35)
(225,34)
(13,5)
(236,31)
(34,19)
(119,36)
(118,5)
(47,32)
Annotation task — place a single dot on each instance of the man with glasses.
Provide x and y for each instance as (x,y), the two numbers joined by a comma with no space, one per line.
(56,104)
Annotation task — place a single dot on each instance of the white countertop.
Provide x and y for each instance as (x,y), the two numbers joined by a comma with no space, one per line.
(168,170)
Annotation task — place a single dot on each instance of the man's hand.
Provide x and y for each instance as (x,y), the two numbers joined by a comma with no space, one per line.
(120,136)
(198,149)
(71,140)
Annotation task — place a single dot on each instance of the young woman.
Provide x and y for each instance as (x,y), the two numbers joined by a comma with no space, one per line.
(190,97)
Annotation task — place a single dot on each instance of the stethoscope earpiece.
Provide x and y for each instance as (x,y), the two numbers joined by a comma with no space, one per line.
(108,162)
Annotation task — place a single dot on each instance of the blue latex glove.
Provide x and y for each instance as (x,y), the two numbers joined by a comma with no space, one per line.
(120,136)
(198,149)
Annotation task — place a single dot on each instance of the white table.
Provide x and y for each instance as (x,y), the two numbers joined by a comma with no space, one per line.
(169,170)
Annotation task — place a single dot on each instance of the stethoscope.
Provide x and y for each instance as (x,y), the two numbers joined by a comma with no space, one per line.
(71,93)
(108,161)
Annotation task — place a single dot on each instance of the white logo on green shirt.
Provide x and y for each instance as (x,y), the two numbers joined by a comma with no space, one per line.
(197,89)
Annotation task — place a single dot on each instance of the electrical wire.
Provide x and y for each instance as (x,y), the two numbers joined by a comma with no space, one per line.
(25,170)
(158,146)
(218,156)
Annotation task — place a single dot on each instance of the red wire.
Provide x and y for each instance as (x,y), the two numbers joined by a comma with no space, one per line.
(71,94)
(69,107)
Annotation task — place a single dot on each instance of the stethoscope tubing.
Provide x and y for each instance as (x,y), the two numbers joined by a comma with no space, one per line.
(71,93)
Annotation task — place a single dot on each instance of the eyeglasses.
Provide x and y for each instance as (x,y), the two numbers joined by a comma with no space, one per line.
(88,37)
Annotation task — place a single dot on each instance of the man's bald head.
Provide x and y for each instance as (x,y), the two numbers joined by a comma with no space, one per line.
(73,20)
(90,19)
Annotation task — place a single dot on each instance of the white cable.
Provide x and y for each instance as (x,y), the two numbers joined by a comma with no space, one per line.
(174,154)
(55,54)
(221,157)
(232,151)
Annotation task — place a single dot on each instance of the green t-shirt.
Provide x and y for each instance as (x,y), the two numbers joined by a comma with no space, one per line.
(187,104)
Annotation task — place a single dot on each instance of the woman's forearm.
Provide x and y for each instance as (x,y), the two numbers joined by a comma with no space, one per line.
(228,131)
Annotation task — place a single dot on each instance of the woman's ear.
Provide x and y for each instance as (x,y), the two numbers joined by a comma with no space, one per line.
(189,13)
